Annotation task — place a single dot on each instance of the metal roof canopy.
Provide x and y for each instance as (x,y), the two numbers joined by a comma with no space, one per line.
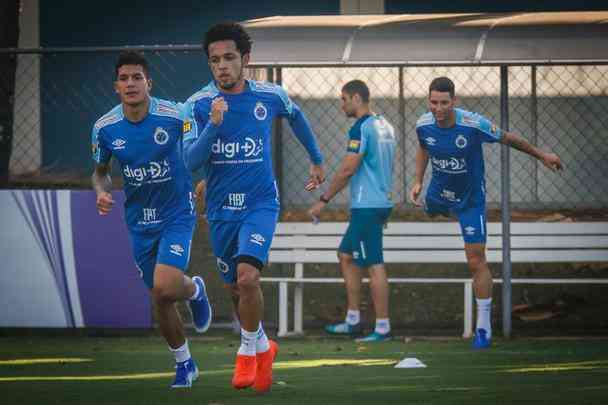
(431,39)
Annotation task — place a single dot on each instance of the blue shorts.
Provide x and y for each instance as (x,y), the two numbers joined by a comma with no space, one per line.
(472,220)
(171,246)
(250,237)
(363,237)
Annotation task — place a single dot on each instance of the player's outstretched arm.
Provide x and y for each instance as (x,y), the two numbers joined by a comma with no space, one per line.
(422,160)
(102,184)
(549,159)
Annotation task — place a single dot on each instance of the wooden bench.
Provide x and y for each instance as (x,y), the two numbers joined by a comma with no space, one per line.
(300,243)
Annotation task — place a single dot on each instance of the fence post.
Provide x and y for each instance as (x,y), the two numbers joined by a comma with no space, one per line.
(534,126)
(505,188)
(402,123)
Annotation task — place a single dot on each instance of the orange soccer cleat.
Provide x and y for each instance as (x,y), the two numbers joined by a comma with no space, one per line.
(244,371)
(263,379)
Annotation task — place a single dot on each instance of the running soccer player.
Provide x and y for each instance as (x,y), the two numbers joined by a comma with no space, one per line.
(452,139)
(368,166)
(144,134)
(232,142)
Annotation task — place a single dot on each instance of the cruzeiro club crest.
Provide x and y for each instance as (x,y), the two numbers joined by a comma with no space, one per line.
(260,112)
(161,136)
(461,141)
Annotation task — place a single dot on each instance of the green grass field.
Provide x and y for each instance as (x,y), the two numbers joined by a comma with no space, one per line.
(138,370)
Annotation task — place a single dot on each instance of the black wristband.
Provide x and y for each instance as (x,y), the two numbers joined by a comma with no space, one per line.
(325,200)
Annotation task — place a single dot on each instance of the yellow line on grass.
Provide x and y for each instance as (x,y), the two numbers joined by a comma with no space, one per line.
(22,362)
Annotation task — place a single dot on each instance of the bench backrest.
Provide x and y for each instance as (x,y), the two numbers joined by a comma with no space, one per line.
(441,242)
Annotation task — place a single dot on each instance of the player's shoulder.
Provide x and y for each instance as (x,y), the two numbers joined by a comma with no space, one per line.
(371,121)
(111,117)
(425,120)
(468,118)
(479,123)
(377,122)
(356,130)
(207,92)
(164,108)
(266,87)
(271,90)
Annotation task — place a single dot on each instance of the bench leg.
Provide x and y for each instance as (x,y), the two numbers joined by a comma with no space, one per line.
(283,307)
(468,309)
(298,301)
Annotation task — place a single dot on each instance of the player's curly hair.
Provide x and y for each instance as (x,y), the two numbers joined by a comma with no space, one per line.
(131,58)
(229,31)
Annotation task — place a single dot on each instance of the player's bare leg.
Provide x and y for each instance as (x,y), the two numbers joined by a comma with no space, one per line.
(256,353)
(170,286)
(482,288)
(352,280)
(250,309)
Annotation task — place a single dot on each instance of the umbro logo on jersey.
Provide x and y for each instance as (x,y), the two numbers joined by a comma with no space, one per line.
(257,239)
(260,112)
(161,136)
(469,230)
(119,144)
(176,249)
(430,141)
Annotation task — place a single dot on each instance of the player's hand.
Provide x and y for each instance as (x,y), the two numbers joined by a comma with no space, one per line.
(317,177)
(218,108)
(552,161)
(415,193)
(199,190)
(315,211)
(104,203)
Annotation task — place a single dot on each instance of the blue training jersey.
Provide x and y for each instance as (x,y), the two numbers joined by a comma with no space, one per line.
(237,153)
(157,184)
(456,156)
(371,186)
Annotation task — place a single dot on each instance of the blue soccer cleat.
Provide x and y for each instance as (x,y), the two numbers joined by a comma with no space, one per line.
(343,328)
(186,373)
(200,308)
(481,341)
(375,337)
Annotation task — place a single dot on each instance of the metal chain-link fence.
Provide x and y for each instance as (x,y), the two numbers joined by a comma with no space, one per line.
(559,108)
(49,101)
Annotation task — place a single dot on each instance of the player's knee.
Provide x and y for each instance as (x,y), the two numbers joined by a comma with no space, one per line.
(476,262)
(232,289)
(162,293)
(248,280)
(248,270)
(344,258)
(377,273)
